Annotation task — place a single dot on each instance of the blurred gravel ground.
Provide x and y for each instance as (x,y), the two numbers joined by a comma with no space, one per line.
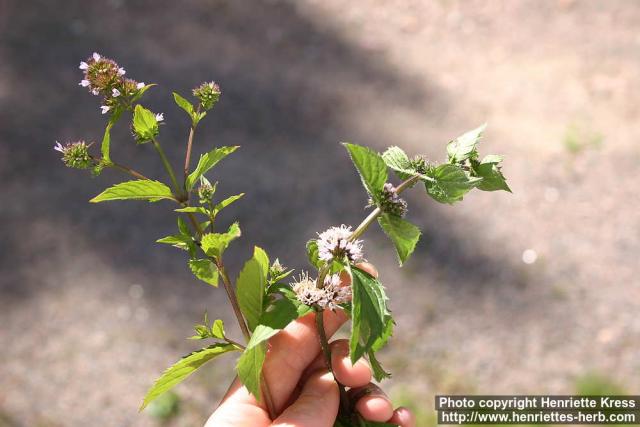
(91,310)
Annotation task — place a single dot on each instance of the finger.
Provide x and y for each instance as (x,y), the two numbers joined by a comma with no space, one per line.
(403,417)
(292,350)
(364,266)
(372,403)
(350,375)
(317,405)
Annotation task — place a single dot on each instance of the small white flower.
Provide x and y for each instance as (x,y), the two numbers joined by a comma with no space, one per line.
(159,117)
(330,296)
(140,85)
(58,147)
(105,109)
(335,243)
(121,71)
(96,57)
(83,65)
(96,92)
(84,83)
(115,92)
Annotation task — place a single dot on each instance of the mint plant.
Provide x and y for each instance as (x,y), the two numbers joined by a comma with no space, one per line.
(266,296)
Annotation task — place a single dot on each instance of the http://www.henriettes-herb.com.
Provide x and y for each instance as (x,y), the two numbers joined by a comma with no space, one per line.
(266,295)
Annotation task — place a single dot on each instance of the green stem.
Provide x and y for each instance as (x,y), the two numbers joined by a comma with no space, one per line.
(326,351)
(127,170)
(377,211)
(168,167)
(187,157)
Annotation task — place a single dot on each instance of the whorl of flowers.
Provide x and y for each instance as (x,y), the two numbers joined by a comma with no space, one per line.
(103,76)
(208,93)
(328,297)
(334,243)
(390,202)
(206,190)
(75,154)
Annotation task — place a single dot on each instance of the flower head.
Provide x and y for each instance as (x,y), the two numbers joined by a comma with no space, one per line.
(335,243)
(330,296)
(208,94)
(206,190)
(75,154)
(390,202)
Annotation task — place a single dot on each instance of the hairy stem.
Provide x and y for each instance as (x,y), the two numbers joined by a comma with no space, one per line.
(326,351)
(377,211)
(127,170)
(168,167)
(187,157)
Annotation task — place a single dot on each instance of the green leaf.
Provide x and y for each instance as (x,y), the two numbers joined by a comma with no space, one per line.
(206,162)
(141,189)
(402,233)
(312,253)
(451,183)
(464,146)
(277,316)
(193,209)
(205,270)
(142,92)
(251,286)
(183,368)
(378,371)
(226,202)
(178,240)
(492,178)
(217,329)
(184,104)
(396,159)
(214,244)
(370,166)
(369,313)
(145,125)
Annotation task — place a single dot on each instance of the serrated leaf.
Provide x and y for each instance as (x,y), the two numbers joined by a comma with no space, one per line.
(217,329)
(226,202)
(369,313)
(214,244)
(183,368)
(184,104)
(251,286)
(492,177)
(402,233)
(206,162)
(145,124)
(378,371)
(141,189)
(370,166)
(396,159)
(205,270)
(451,183)
(464,146)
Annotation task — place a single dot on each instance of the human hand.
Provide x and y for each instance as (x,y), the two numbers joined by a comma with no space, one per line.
(304,393)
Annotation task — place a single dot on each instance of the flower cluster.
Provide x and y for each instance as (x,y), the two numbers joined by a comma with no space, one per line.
(336,243)
(390,202)
(206,190)
(103,76)
(208,94)
(330,296)
(75,154)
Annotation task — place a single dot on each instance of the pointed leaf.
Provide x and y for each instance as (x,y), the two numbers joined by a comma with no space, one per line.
(183,368)
(370,166)
(184,104)
(141,189)
(464,146)
(226,202)
(217,329)
(206,162)
(251,285)
(492,177)
(145,124)
(402,233)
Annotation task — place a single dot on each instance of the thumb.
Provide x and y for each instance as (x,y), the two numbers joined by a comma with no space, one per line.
(317,405)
